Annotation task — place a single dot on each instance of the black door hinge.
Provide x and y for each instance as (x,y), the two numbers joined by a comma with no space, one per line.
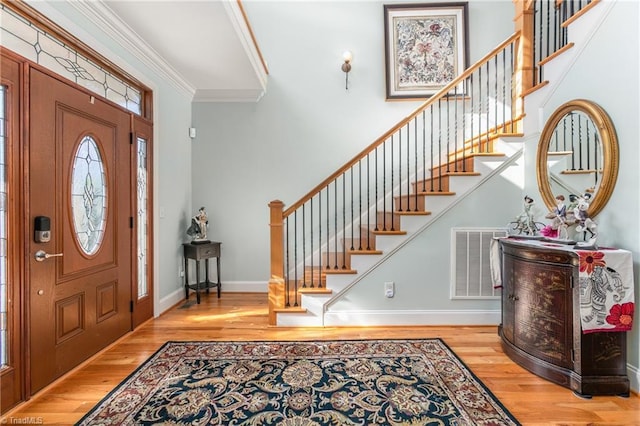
(130,138)
(131,222)
(130,305)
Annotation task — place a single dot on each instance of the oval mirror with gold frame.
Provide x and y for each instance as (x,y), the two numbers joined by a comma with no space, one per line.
(578,153)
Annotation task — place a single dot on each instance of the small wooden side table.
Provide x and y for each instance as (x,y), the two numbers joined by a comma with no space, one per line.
(198,252)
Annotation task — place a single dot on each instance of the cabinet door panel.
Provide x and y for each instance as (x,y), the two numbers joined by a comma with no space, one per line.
(542,311)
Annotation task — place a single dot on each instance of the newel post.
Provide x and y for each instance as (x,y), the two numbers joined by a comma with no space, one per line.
(524,68)
(276,282)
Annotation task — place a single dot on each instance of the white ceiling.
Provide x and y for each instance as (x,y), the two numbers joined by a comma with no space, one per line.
(204,45)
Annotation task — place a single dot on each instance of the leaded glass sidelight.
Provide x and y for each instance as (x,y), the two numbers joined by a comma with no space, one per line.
(142,197)
(88,196)
(3,235)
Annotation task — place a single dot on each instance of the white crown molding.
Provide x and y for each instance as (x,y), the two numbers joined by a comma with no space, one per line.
(104,18)
(243,31)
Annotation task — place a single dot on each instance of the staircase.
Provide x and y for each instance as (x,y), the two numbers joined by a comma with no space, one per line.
(357,218)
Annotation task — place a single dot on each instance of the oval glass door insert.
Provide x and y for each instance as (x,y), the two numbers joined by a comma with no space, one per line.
(88,196)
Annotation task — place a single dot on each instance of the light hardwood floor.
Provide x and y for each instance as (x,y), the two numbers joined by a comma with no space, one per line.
(236,316)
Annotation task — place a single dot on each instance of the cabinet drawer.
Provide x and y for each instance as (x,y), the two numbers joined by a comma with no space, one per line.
(201,251)
(208,251)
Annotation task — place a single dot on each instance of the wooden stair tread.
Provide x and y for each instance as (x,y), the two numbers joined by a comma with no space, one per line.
(430,193)
(291,310)
(339,271)
(364,251)
(381,232)
(407,213)
(460,174)
(315,290)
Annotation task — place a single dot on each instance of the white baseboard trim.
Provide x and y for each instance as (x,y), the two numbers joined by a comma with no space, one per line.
(359,318)
(634,378)
(169,301)
(177,296)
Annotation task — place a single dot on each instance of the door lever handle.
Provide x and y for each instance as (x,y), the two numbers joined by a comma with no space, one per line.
(41,255)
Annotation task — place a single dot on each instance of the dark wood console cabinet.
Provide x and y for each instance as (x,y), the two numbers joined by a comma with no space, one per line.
(541,327)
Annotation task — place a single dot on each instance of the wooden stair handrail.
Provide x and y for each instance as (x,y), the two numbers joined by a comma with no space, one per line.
(437,96)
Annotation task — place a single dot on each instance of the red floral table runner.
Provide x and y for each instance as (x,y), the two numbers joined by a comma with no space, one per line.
(605,279)
(606,290)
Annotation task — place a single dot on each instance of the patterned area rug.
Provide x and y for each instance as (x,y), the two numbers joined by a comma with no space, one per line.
(356,382)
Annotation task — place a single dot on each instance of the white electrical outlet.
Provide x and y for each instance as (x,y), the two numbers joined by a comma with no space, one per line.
(389,289)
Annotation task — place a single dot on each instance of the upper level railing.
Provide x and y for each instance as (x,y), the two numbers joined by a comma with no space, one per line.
(549,36)
(317,234)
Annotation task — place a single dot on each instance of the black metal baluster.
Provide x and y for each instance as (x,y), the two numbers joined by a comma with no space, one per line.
(465,89)
(455,128)
(295,258)
(328,228)
(287,283)
(335,223)
(368,203)
(352,199)
(384,185)
(408,168)
(320,234)
(360,204)
(580,155)
(375,210)
(431,148)
(311,241)
(344,215)
(424,150)
(596,165)
(588,148)
(573,150)
(439,144)
(488,113)
(393,209)
(415,159)
(479,109)
(304,246)
(511,89)
(448,151)
(495,96)
(548,28)
(400,170)
(536,53)
(471,102)
(504,90)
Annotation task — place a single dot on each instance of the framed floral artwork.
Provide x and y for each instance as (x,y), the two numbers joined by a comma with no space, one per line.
(425,47)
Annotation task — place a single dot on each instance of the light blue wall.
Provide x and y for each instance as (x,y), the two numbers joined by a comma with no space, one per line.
(307,125)
(606,72)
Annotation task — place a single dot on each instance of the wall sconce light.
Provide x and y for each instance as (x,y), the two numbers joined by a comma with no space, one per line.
(346,67)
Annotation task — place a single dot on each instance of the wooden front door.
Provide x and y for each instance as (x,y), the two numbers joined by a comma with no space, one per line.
(79,294)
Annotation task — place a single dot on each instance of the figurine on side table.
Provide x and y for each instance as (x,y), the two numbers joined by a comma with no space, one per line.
(558,227)
(583,222)
(198,228)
